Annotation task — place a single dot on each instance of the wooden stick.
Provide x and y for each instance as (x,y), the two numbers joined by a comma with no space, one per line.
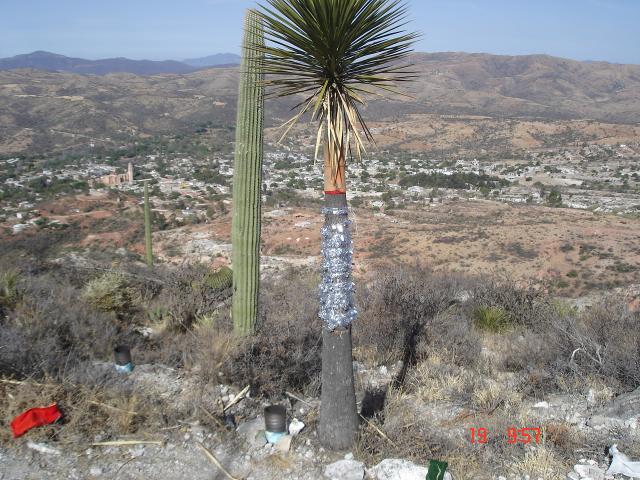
(215,461)
(11,382)
(237,398)
(299,399)
(112,408)
(29,382)
(380,432)
(118,443)
(26,382)
(212,417)
(124,465)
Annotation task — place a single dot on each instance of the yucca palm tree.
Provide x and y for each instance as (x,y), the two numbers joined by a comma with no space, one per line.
(331,53)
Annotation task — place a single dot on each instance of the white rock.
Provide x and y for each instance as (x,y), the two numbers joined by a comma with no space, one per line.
(276,213)
(396,469)
(541,405)
(573,476)
(295,427)
(284,444)
(622,412)
(589,471)
(95,471)
(137,452)
(43,448)
(621,464)
(348,456)
(345,470)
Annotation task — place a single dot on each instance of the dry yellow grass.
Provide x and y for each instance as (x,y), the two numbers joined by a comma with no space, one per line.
(540,462)
(433,381)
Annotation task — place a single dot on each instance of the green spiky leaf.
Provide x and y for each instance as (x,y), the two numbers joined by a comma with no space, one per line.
(334,52)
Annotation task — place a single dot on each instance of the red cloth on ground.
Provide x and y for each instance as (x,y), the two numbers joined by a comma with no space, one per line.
(35,417)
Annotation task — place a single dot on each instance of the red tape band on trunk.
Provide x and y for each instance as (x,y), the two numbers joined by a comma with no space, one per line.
(335,192)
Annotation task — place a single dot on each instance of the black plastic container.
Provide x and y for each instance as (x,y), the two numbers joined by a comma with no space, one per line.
(122,355)
(275,419)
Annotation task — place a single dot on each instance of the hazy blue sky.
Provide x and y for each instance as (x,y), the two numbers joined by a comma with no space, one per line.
(159,29)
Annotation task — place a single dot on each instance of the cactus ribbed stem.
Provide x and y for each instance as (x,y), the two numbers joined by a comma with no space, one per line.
(147,227)
(247,180)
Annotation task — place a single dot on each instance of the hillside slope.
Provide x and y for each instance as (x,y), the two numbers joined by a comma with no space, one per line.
(43,110)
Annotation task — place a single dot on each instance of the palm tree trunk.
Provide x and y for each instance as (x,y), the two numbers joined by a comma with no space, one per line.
(338,411)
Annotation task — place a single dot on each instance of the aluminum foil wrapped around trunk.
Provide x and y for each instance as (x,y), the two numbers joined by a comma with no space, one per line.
(336,287)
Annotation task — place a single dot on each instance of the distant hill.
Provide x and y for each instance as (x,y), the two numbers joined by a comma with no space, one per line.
(52,62)
(538,86)
(44,110)
(214,60)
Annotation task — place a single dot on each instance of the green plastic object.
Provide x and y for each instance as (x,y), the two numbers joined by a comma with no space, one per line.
(247,180)
(437,469)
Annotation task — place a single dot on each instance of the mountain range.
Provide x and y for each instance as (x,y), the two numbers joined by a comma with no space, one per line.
(217,60)
(52,62)
(44,110)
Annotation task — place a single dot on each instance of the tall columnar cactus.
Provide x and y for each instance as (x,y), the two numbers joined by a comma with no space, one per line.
(147,227)
(247,179)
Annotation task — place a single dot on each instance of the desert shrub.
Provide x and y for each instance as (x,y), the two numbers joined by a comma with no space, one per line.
(285,353)
(452,333)
(157,314)
(9,292)
(526,351)
(109,293)
(398,307)
(563,437)
(491,319)
(192,291)
(38,246)
(50,331)
(603,340)
(205,349)
(566,247)
(522,305)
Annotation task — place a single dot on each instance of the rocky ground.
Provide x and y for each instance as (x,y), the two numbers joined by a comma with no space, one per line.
(180,451)
(573,252)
